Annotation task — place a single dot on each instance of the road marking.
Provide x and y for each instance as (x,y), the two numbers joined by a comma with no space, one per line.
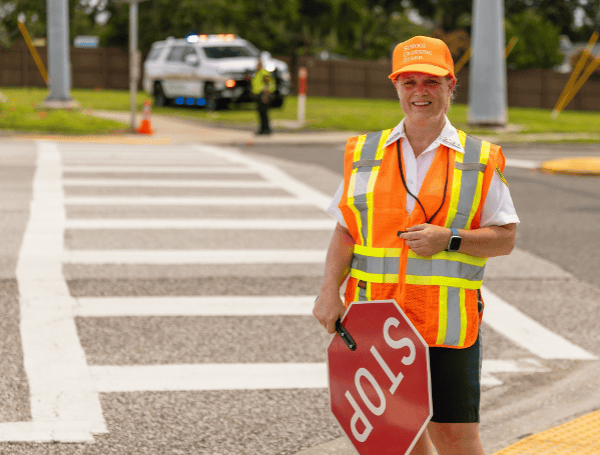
(204,223)
(61,387)
(524,164)
(133,183)
(249,376)
(71,432)
(224,376)
(273,174)
(133,169)
(196,201)
(195,306)
(528,333)
(489,367)
(194,256)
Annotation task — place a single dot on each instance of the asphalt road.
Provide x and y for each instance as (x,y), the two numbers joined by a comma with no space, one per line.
(553,279)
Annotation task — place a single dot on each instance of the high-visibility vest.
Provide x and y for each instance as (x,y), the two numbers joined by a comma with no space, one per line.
(439,294)
(263,80)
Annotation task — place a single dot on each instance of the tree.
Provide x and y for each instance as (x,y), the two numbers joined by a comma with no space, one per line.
(539,41)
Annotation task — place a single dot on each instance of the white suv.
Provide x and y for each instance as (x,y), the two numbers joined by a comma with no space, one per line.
(208,70)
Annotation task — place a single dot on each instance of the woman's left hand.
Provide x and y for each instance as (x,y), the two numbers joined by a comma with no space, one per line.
(427,239)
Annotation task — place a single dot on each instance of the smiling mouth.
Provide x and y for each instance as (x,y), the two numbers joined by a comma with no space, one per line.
(421,103)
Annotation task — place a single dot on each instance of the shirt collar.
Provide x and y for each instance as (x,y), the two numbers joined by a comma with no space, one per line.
(448,136)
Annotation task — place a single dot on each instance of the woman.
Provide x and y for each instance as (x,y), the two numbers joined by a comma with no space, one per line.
(420,209)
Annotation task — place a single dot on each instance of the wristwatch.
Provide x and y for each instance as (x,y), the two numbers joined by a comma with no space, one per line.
(455,241)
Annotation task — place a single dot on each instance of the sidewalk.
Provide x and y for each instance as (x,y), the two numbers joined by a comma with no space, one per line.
(168,130)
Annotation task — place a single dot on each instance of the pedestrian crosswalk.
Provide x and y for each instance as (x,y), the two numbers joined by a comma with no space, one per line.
(65,389)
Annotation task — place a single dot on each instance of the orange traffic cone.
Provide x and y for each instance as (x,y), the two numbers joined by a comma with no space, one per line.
(145,127)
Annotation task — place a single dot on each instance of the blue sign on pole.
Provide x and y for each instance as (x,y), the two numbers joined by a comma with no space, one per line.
(86,41)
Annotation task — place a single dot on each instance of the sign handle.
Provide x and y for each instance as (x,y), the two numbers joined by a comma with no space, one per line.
(343,333)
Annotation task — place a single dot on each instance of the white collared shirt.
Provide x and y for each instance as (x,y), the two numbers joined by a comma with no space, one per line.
(498,208)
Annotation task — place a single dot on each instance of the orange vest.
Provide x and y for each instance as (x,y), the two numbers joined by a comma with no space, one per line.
(439,294)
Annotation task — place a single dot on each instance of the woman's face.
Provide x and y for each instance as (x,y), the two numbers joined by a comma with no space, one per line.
(424,97)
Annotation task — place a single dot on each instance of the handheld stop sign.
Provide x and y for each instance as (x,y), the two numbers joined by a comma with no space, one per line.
(379,380)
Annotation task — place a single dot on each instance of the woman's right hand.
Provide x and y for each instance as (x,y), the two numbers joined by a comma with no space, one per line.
(328,309)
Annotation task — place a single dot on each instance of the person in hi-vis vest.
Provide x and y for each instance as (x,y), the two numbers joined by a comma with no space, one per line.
(420,209)
(263,86)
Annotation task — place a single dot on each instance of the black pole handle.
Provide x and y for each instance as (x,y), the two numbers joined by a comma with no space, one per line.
(343,333)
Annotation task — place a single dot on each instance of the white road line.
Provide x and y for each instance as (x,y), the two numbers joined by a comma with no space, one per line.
(524,164)
(204,223)
(71,432)
(194,256)
(124,169)
(234,376)
(248,376)
(137,183)
(528,333)
(60,384)
(195,306)
(489,367)
(273,174)
(179,201)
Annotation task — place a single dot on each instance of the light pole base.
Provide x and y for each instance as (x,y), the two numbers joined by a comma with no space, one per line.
(60,104)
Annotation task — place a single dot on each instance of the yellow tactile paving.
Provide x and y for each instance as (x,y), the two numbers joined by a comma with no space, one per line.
(577,437)
(589,165)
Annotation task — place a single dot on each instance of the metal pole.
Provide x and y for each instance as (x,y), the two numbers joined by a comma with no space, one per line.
(487,79)
(59,65)
(133,59)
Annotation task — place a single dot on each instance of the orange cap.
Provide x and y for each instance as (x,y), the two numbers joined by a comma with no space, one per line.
(424,55)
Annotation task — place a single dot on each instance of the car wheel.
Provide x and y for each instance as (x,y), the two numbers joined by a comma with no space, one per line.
(159,96)
(212,103)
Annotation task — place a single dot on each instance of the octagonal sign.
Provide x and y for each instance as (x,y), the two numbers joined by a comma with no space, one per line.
(381,391)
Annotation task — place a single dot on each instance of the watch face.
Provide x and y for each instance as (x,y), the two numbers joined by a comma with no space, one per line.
(455,243)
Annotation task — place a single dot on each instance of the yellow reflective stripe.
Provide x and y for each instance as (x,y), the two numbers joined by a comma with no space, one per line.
(374,277)
(462,137)
(463,317)
(352,186)
(449,256)
(356,294)
(455,194)
(443,315)
(483,159)
(443,281)
(377,252)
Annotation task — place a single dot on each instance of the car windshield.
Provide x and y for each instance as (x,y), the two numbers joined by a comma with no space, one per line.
(229,52)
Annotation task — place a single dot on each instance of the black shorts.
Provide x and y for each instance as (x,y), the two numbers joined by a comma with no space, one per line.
(456,383)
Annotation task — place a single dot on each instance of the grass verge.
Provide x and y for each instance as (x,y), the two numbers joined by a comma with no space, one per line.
(21,113)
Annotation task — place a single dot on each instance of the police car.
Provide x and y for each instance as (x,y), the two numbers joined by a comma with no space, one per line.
(209,70)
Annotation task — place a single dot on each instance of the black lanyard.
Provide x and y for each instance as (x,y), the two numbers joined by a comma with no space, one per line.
(415,197)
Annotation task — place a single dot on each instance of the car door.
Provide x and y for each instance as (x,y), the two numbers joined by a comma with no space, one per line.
(175,72)
(191,84)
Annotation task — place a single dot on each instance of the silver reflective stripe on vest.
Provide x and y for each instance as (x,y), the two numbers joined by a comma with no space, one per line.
(442,267)
(470,166)
(468,182)
(376,265)
(453,325)
(366,163)
(362,294)
(368,152)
